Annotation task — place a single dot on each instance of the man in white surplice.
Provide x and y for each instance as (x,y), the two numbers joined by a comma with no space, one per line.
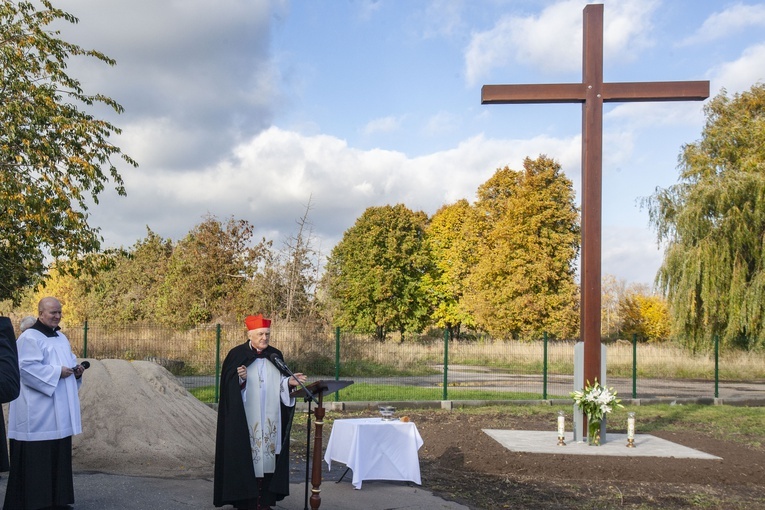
(42,421)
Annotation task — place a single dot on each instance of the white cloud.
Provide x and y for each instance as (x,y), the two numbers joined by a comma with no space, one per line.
(552,41)
(442,18)
(648,115)
(728,23)
(440,123)
(191,70)
(271,178)
(631,253)
(368,8)
(382,125)
(741,74)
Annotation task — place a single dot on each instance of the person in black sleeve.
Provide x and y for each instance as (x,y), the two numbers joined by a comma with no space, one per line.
(254,420)
(9,380)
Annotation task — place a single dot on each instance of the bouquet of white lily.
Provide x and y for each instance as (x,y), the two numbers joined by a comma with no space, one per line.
(595,401)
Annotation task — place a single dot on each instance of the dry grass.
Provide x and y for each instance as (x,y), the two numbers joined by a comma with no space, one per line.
(316,348)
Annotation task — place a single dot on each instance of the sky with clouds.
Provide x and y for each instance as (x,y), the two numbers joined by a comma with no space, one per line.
(256,109)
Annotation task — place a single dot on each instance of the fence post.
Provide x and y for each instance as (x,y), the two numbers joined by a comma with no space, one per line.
(634,365)
(337,360)
(85,341)
(446,364)
(717,366)
(544,368)
(217,363)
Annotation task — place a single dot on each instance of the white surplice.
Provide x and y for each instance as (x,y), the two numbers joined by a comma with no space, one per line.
(262,406)
(48,406)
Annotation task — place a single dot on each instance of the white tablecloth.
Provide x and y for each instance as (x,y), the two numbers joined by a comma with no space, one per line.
(376,449)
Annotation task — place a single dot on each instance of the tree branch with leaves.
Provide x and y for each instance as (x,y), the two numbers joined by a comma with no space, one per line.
(54,155)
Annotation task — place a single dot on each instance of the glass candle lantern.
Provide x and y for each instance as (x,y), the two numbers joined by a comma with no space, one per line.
(630,430)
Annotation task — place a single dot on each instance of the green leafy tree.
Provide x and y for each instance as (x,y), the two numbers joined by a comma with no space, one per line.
(527,242)
(54,156)
(209,272)
(712,222)
(127,289)
(373,275)
(450,245)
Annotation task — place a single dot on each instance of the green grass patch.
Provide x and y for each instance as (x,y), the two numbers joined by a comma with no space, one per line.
(732,423)
(204,394)
(365,392)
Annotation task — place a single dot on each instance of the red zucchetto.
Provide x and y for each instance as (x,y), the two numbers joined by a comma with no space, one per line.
(256,322)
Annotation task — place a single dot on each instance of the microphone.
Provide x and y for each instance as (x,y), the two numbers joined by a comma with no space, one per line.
(282,366)
(85,364)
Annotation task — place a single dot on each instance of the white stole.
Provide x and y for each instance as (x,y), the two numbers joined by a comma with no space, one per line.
(262,408)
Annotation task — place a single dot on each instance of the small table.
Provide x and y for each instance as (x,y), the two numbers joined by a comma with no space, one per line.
(375,449)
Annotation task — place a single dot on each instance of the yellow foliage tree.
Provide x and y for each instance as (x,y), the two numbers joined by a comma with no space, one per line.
(67,289)
(647,316)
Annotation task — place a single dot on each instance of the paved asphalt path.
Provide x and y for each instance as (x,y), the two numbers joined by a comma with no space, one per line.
(101,491)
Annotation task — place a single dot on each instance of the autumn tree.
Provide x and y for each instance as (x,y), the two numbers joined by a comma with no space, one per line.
(373,275)
(208,273)
(450,245)
(54,155)
(127,289)
(70,291)
(644,314)
(712,222)
(527,242)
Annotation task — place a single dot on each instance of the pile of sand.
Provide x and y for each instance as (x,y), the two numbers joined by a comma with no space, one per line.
(138,419)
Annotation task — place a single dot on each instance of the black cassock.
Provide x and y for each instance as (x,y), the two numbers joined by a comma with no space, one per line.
(9,379)
(235,482)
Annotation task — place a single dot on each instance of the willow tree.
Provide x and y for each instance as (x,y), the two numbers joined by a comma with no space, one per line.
(712,222)
(523,283)
(54,155)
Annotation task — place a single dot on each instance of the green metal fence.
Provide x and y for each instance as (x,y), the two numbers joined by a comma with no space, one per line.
(426,367)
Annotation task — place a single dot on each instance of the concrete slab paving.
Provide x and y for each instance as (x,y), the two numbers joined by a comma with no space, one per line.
(646,445)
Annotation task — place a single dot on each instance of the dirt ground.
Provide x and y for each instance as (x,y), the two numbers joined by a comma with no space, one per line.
(461,463)
(139,420)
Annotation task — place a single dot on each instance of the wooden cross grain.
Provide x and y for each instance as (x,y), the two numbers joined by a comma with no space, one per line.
(592,93)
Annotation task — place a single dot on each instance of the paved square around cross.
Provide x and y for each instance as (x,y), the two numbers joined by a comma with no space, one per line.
(646,445)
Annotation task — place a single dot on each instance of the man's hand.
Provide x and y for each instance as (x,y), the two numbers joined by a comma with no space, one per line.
(294,382)
(78,370)
(66,372)
(242,372)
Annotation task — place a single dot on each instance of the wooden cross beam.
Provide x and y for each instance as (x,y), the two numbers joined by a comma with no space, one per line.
(592,93)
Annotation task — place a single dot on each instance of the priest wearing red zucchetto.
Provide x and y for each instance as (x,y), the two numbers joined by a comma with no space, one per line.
(254,420)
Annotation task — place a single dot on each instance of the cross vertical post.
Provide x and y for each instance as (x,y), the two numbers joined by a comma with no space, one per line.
(592,201)
(592,93)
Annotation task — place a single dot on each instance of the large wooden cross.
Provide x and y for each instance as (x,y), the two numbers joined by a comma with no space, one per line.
(592,93)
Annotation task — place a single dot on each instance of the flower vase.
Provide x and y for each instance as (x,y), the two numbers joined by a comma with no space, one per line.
(593,432)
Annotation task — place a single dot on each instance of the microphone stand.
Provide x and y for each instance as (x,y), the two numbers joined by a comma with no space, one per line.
(309,396)
(283,366)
